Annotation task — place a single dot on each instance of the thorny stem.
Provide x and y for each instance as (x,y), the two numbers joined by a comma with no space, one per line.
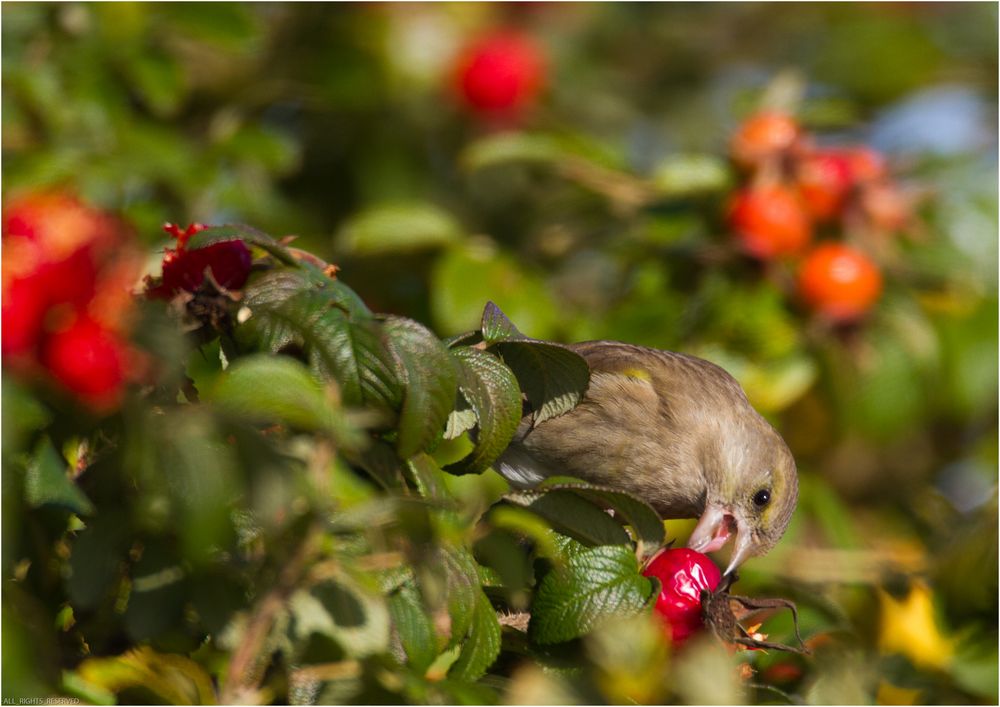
(245,668)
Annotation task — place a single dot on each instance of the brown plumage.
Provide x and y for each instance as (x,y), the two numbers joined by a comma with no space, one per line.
(676,431)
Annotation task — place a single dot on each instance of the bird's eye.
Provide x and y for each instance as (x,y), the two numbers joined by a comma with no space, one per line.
(762,498)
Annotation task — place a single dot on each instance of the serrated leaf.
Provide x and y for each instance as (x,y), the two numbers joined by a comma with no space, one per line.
(351,350)
(242,232)
(427,477)
(595,585)
(47,483)
(462,577)
(398,228)
(278,285)
(491,390)
(553,378)
(429,379)
(572,515)
(496,326)
(481,646)
(174,679)
(645,521)
(267,388)
(414,626)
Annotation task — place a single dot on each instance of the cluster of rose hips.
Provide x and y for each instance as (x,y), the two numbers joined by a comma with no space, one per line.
(68,271)
(796,193)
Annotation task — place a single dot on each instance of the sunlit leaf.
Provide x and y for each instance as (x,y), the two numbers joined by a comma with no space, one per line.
(492,392)
(48,483)
(595,586)
(398,228)
(481,646)
(174,679)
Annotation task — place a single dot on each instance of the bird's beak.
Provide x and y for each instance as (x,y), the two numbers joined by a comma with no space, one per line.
(743,550)
(714,529)
(716,525)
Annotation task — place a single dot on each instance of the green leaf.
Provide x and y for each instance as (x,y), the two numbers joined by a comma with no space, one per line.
(95,559)
(595,585)
(475,271)
(47,482)
(553,378)
(23,415)
(686,175)
(511,147)
(248,234)
(645,521)
(428,375)
(268,388)
(350,349)
(427,477)
(573,515)
(174,679)
(397,229)
(497,327)
(491,390)
(481,646)
(414,626)
(159,80)
(462,586)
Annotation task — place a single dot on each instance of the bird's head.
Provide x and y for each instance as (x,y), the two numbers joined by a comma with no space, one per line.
(751,491)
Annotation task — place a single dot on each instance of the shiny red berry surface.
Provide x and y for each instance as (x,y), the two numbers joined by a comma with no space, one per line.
(770,222)
(684,574)
(839,282)
(501,72)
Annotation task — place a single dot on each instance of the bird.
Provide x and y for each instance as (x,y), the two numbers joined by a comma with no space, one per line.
(676,431)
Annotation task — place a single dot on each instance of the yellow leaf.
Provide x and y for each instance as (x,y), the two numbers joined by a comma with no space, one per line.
(889,694)
(908,626)
(173,678)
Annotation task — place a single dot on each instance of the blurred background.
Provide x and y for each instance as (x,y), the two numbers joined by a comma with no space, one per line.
(573,163)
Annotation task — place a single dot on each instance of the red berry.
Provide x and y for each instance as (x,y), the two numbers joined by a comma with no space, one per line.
(764,136)
(89,361)
(770,222)
(885,206)
(824,180)
(24,305)
(839,282)
(866,165)
(228,262)
(500,73)
(184,269)
(684,574)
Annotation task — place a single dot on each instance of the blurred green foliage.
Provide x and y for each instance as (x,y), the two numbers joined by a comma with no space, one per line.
(599,214)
